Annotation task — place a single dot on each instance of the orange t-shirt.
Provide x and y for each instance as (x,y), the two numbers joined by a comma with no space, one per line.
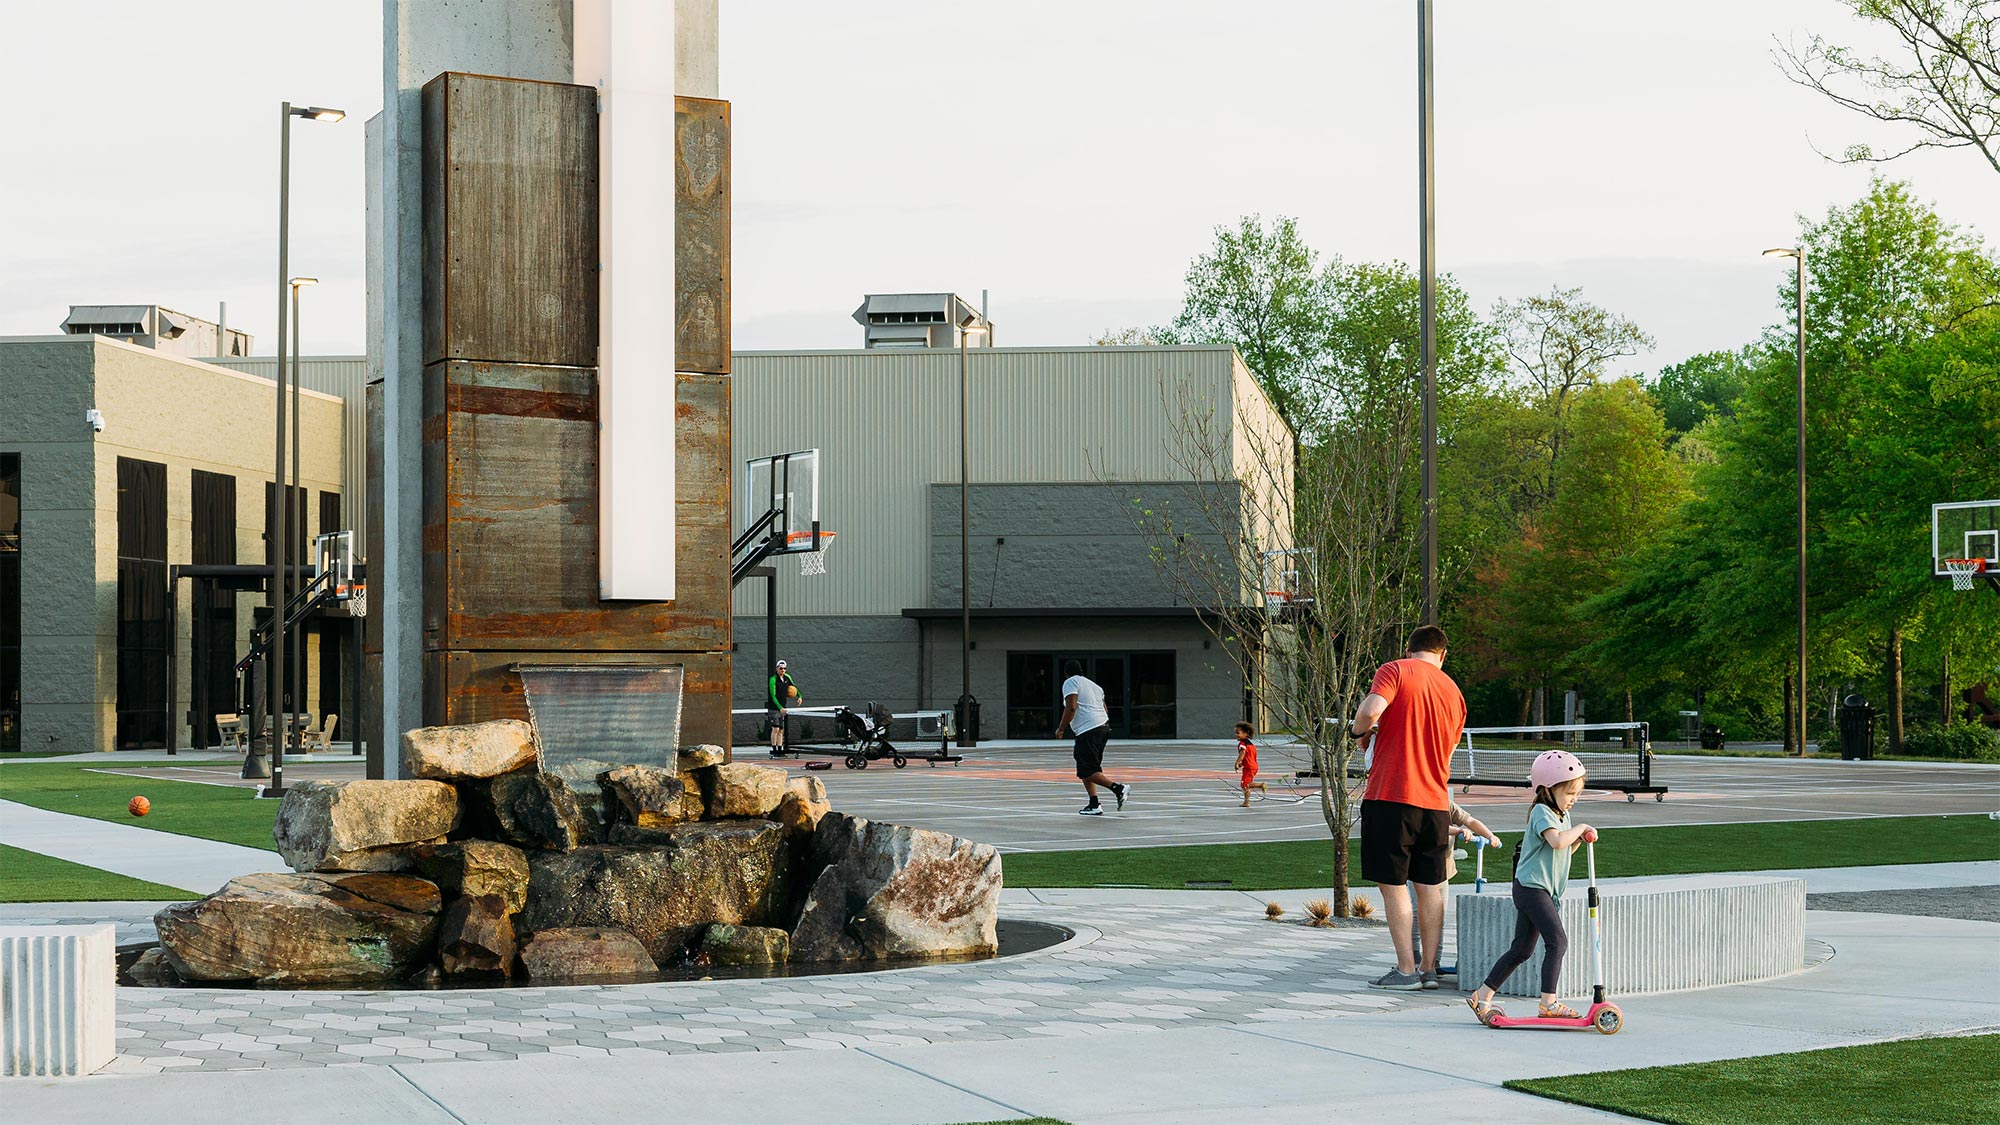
(1415,736)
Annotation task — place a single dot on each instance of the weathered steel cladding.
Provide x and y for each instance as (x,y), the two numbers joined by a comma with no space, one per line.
(510,221)
(701,235)
(483,685)
(510,515)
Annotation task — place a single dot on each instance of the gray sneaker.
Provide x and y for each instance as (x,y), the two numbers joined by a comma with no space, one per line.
(1430,980)
(1398,982)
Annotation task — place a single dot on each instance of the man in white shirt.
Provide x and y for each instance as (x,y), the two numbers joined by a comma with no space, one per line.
(1085,715)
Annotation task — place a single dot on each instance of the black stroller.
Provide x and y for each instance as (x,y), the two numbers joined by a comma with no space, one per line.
(866,736)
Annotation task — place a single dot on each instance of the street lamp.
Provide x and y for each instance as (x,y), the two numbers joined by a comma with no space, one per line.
(1427,304)
(281,557)
(965,701)
(298,684)
(1798,255)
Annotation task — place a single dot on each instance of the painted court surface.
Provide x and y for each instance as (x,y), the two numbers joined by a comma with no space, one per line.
(1024,797)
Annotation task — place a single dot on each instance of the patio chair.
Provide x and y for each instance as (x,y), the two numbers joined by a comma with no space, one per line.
(231,727)
(321,739)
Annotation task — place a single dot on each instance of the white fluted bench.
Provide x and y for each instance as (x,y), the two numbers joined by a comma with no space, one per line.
(57,999)
(1660,934)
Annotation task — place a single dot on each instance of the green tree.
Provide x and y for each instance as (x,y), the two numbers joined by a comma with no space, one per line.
(1560,345)
(1699,387)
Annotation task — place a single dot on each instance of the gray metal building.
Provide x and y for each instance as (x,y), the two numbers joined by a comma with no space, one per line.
(1066,443)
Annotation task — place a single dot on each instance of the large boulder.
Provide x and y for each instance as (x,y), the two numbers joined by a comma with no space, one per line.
(475,867)
(803,805)
(304,929)
(737,789)
(692,758)
(583,952)
(361,825)
(472,752)
(724,944)
(664,894)
(892,891)
(648,797)
(537,810)
(476,937)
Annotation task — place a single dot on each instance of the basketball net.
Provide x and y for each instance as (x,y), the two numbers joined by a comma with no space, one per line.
(812,563)
(1963,571)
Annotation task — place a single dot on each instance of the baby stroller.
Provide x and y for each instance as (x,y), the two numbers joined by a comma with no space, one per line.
(866,734)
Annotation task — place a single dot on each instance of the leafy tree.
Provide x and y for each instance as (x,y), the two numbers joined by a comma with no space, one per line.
(1944,84)
(1561,344)
(1699,387)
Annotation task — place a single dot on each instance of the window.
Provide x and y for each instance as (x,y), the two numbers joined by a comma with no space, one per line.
(1139,692)
(300,559)
(332,632)
(212,632)
(142,604)
(10,601)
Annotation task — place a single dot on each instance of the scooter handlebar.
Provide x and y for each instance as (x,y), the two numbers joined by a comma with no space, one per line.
(1590,835)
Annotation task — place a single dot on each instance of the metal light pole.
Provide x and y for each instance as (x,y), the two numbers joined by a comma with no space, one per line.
(965,700)
(1798,255)
(292,735)
(1427,304)
(275,678)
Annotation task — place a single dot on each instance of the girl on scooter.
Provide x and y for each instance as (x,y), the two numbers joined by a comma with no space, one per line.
(1541,872)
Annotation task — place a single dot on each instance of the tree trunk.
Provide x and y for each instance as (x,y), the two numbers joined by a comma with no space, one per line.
(1628,717)
(1944,701)
(1791,727)
(1541,704)
(1527,710)
(1340,904)
(1895,689)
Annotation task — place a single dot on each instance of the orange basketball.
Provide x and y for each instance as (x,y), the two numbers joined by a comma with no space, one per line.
(139,806)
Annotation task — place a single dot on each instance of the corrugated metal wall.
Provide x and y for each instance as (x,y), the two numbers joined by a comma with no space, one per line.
(346,376)
(886,424)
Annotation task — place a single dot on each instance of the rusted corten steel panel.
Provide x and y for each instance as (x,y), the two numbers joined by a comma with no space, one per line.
(510,221)
(483,685)
(510,516)
(701,235)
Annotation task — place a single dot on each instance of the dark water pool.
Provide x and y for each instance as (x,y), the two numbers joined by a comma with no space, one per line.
(1015,937)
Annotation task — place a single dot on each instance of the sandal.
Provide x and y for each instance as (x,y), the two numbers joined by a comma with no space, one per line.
(1485,1011)
(1559,1011)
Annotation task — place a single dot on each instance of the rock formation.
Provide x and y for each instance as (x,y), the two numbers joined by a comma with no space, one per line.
(485,866)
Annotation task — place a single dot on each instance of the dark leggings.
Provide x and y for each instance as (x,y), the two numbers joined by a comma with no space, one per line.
(1535,914)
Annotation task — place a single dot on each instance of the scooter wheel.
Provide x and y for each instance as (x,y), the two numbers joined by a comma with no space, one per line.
(901,761)
(1609,1020)
(1630,798)
(1660,798)
(856,762)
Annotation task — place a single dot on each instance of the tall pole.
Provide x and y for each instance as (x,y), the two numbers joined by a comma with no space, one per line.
(964,543)
(292,737)
(1427,303)
(1801,258)
(274,679)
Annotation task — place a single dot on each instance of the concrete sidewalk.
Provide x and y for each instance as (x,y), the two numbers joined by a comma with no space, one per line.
(1420,1064)
(167,858)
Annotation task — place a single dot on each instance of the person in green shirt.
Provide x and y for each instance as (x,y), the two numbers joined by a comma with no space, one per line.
(1541,874)
(781,694)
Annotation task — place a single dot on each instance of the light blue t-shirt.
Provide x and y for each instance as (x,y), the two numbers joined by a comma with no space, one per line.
(1537,864)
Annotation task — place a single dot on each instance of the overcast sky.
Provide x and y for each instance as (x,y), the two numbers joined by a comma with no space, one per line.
(1070,157)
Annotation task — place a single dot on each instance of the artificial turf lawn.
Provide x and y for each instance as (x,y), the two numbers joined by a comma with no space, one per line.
(34,877)
(1667,850)
(1908,1082)
(212,812)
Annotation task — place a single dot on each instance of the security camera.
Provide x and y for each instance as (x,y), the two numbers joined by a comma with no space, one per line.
(96,420)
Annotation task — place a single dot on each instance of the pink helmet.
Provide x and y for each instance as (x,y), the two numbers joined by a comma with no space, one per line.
(1553,767)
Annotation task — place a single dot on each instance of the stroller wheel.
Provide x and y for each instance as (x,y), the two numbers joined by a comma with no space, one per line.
(856,762)
(901,761)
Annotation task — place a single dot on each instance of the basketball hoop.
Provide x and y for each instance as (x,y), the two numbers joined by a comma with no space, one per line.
(811,562)
(1277,601)
(1963,571)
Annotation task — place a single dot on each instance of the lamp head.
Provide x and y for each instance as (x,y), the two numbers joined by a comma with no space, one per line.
(319,113)
(302,282)
(1784,252)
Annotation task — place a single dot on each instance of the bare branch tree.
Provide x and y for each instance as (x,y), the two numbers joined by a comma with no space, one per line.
(1945,85)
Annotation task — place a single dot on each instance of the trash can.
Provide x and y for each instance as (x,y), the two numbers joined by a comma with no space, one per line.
(1857,729)
(1712,737)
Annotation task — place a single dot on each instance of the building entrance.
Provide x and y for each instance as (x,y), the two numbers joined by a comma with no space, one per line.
(1139,691)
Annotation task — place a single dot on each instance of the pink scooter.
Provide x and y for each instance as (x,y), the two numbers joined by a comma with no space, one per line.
(1603,1015)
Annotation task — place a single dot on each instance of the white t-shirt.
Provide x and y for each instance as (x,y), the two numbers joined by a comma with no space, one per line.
(1090,709)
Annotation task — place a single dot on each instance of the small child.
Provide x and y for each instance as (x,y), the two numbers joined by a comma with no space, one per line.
(1246,762)
(1541,872)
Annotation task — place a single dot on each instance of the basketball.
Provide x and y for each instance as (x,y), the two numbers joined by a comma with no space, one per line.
(791,693)
(139,806)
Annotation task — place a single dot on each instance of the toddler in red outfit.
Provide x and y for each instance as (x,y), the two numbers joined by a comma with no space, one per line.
(1246,762)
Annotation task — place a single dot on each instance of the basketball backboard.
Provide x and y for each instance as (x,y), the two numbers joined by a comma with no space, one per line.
(1966,530)
(1288,579)
(787,487)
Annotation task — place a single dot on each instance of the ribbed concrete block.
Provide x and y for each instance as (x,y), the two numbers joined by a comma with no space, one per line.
(57,997)
(1660,935)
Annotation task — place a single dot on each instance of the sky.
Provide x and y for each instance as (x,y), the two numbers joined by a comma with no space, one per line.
(1069,158)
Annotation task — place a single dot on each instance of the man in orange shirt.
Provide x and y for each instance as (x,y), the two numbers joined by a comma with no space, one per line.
(1416,714)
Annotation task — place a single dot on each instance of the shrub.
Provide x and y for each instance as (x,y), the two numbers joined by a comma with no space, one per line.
(1321,911)
(1964,741)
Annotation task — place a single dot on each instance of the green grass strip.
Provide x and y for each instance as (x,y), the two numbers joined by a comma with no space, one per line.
(1908,1082)
(33,877)
(1666,850)
(210,812)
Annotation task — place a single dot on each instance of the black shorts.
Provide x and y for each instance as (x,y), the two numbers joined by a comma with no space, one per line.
(1090,750)
(1403,843)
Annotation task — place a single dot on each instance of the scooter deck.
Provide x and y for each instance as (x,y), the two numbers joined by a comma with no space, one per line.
(1589,1021)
